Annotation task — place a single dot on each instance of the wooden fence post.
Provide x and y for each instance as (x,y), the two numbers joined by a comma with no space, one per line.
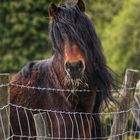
(136,105)
(125,103)
(4,111)
(41,125)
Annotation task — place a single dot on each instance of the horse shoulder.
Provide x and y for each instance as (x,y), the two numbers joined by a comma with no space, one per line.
(23,77)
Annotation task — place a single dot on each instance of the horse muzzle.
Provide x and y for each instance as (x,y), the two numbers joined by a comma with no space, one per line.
(75,69)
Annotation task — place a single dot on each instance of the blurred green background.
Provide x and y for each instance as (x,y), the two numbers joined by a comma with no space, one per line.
(24,32)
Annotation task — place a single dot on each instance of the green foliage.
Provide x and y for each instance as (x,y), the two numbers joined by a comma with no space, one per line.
(102,12)
(122,38)
(118,26)
(23,32)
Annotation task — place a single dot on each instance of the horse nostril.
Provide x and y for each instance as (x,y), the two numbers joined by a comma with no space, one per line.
(80,65)
(68,66)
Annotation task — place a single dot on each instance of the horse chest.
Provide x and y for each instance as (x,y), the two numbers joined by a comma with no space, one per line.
(60,102)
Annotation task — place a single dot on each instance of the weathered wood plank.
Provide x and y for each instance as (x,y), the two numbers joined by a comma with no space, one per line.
(125,103)
(4,111)
(41,125)
(136,105)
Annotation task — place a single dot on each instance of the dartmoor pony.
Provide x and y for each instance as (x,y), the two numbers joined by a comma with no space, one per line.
(77,71)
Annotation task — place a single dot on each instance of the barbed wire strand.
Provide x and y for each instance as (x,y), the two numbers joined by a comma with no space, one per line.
(64,90)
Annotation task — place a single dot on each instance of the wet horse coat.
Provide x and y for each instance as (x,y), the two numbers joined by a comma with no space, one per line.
(77,63)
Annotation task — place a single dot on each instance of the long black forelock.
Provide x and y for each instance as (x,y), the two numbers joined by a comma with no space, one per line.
(72,25)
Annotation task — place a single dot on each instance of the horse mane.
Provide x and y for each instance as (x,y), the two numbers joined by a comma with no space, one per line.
(71,24)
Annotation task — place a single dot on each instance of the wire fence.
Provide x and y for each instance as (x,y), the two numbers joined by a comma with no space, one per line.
(68,124)
(52,135)
(63,125)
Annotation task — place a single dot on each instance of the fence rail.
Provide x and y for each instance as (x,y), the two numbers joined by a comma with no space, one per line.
(116,124)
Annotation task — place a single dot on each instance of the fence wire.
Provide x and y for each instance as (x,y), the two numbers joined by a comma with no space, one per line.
(62,125)
(61,90)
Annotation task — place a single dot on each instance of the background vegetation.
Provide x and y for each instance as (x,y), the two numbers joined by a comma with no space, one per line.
(24,32)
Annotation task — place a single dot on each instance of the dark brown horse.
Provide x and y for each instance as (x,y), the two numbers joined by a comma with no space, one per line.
(78,64)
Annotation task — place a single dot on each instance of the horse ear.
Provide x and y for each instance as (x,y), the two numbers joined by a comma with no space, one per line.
(53,9)
(81,5)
